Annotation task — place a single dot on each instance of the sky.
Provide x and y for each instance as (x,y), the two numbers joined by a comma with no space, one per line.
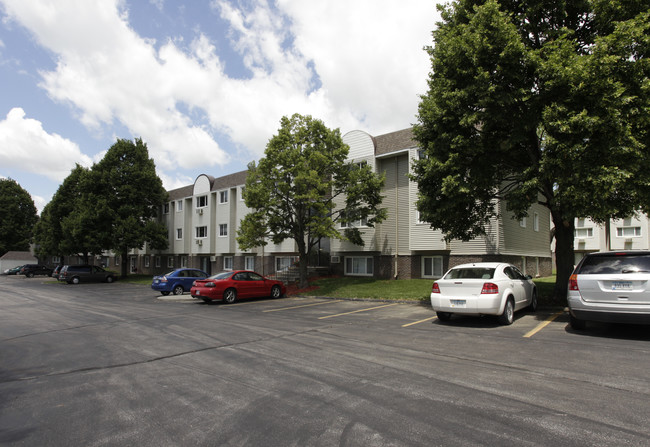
(203,83)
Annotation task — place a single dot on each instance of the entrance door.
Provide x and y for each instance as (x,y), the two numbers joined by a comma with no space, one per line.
(206,266)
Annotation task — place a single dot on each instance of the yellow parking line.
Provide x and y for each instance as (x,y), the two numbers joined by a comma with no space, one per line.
(543,324)
(355,311)
(421,321)
(303,305)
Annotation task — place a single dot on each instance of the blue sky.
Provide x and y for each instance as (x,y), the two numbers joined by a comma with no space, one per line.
(203,83)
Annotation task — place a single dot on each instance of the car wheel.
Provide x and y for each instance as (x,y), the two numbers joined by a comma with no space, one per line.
(443,316)
(165,293)
(178,290)
(75,280)
(508,315)
(229,296)
(109,279)
(276,292)
(576,323)
(532,307)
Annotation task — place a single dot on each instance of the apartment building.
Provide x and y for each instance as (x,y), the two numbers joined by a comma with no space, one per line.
(619,234)
(203,218)
(404,247)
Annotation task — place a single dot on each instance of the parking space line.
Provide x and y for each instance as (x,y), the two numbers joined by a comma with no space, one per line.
(421,321)
(543,324)
(303,305)
(356,311)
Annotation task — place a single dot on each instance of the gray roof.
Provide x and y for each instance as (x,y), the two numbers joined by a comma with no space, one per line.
(18,256)
(394,141)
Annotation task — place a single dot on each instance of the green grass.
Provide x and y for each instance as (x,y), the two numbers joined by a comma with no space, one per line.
(403,289)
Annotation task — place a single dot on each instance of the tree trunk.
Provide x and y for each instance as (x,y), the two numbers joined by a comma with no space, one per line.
(125,261)
(564,256)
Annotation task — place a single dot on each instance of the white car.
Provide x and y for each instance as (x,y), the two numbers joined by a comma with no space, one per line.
(483,288)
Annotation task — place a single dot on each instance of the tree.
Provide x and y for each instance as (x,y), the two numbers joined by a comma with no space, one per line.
(68,223)
(17,217)
(538,101)
(122,196)
(292,191)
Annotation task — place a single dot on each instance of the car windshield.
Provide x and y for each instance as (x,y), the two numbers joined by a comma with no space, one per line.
(169,273)
(602,265)
(223,275)
(471,273)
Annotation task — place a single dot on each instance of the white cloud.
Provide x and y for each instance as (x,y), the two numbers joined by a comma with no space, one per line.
(25,145)
(356,64)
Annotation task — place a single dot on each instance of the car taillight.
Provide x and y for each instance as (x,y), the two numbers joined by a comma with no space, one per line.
(490,287)
(210,284)
(435,288)
(573,282)
(163,279)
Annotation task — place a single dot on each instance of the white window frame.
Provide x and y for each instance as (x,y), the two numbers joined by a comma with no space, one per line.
(166,208)
(157,261)
(223,196)
(183,261)
(241,193)
(179,206)
(418,219)
(202,201)
(170,262)
(227,262)
(249,263)
(620,231)
(579,233)
(434,273)
(201,232)
(536,221)
(361,223)
(522,222)
(223,230)
(179,234)
(147,261)
(349,266)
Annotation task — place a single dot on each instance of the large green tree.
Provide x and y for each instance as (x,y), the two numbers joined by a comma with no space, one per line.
(17,217)
(543,101)
(68,224)
(294,189)
(123,196)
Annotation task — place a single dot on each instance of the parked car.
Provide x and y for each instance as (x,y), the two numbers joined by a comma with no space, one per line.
(610,287)
(485,288)
(177,281)
(229,286)
(30,270)
(74,274)
(56,271)
(13,270)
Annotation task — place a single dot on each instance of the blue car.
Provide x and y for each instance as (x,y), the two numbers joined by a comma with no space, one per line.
(177,281)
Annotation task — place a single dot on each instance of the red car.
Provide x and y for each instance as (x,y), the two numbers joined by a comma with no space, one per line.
(228,286)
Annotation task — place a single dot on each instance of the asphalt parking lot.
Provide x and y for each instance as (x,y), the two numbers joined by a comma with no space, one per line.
(118,364)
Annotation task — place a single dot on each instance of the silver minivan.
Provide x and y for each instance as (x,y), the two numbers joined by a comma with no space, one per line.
(610,287)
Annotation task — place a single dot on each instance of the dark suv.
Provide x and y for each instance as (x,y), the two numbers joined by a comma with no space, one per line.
(30,270)
(610,287)
(74,274)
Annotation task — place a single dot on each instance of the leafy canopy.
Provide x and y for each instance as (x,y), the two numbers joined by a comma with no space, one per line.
(17,217)
(536,102)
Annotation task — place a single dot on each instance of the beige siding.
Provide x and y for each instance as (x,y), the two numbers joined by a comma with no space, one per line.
(361,144)
(526,240)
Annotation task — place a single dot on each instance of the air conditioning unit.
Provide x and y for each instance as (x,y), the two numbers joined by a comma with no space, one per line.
(335,260)
(199,211)
(213,259)
(199,242)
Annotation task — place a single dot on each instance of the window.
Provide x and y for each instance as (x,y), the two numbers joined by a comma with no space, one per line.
(249,263)
(432,266)
(223,196)
(179,233)
(170,262)
(183,261)
(146,261)
(56,259)
(355,223)
(202,201)
(284,262)
(536,221)
(359,266)
(227,262)
(628,231)
(583,233)
(241,193)
(166,208)
(522,222)
(157,263)
(202,232)
(179,206)
(223,230)
(422,154)
(418,218)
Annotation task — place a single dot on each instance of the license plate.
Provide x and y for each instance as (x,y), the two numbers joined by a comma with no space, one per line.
(198,292)
(458,303)
(622,285)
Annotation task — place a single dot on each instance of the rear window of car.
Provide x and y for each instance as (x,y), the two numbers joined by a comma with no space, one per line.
(609,264)
(471,273)
(224,275)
